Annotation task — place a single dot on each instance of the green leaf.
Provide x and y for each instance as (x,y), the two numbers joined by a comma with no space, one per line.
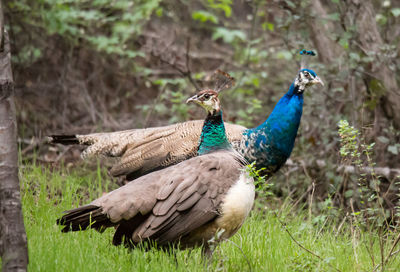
(383,139)
(290,4)
(393,149)
(348,193)
(354,56)
(381,19)
(228,35)
(395,12)
(204,16)
(256,82)
(159,12)
(227,9)
(224,5)
(334,16)
(284,54)
(269,26)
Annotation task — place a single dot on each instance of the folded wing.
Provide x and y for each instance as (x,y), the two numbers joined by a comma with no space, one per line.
(163,206)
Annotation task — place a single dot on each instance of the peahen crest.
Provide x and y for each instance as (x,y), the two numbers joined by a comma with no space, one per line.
(221,81)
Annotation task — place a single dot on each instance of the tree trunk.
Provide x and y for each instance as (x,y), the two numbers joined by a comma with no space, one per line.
(13,244)
(321,28)
(370,41)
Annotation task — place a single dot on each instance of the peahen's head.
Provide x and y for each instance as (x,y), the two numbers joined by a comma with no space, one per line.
(208,99)
(306,78)
(213,136)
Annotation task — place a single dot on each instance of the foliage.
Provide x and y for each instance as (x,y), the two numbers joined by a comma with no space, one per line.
(372,215)
(260,182)
(110,27)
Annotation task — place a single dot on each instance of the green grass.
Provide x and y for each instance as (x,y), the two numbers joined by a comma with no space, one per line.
(263,240)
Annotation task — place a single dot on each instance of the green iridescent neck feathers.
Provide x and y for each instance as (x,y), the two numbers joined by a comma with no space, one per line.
(213,136)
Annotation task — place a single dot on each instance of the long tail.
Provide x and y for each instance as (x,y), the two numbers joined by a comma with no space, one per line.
(63,139)
(88,216)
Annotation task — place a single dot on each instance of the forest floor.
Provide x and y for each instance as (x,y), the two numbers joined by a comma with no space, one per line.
(263,243)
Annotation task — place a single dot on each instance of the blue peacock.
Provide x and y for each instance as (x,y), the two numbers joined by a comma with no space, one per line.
(271,143)
(142,151)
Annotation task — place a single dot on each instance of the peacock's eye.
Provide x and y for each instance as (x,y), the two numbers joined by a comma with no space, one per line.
(307,74)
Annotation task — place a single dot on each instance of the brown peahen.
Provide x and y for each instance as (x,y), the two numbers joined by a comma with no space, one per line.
(185,205)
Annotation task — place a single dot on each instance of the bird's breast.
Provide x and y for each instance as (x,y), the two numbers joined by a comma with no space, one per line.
(236,206)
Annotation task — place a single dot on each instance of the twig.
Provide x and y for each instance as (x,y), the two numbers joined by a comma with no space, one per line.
(381,249)
(187,72)
(380,171)
(341,224)
(244,255)
(390,254)
(66,149)
(353,231)
(394,253)
(300,245)
(32,144)
(146,120)
(311,201)
(301,197)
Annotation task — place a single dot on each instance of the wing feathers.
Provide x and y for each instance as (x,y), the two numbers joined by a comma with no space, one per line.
(189,202)
(148,209)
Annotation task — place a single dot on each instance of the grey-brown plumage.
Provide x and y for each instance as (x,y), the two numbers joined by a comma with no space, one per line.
(184,204)
(141,151)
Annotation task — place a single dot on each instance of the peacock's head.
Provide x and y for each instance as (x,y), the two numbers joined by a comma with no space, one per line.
(208,99)
(306,78)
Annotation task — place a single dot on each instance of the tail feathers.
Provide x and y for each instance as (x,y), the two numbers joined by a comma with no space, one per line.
(89,216)
(126,228)
(63,139)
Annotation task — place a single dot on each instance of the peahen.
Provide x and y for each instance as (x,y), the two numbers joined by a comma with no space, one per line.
(184,205)
(145,150)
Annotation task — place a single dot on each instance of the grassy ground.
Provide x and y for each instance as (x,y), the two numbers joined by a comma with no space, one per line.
(261,245)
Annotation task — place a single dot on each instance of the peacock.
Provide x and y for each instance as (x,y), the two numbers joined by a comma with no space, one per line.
(184,205)
(141,151)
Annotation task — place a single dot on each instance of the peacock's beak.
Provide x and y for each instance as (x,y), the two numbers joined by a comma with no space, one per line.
(192,99)
(317,80)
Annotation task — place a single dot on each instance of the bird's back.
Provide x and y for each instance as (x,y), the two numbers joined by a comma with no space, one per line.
(141,151)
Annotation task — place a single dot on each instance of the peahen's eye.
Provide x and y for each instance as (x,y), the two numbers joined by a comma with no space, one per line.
(206,96)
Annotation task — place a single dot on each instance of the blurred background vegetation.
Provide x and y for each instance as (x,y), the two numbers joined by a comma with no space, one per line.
(84,66)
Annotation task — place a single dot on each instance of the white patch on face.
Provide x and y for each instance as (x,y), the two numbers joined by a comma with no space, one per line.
(210,105)
(302,81)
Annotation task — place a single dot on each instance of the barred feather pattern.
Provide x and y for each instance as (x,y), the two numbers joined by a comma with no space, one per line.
(141,151)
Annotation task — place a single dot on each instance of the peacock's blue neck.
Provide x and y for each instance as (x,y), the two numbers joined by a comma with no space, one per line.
(284,121)
(213,136)
(272,142)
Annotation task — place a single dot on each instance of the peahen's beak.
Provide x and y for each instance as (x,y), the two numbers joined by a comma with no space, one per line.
(192,99)
(317,80)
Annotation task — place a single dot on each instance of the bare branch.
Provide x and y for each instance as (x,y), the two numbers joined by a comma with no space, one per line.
(379,171)
(300,245)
